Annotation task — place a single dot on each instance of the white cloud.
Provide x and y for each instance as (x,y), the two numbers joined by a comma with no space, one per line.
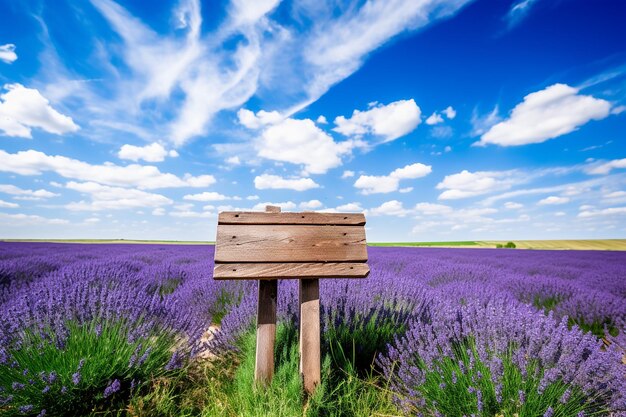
(511,205)
(302,142)
(546,114)
(21,219)
(185,214)
(311,205)
(23,108)
(387,122)
(7,53)
(389,208)
(28,194)
(434,119)
(258,120)
(252,197)
(275,182)
(449,112)
(92,220)
(519,10)
(233,160)
(606,167)
(155,152)
(159,211)
(340,44)
(284,206)
(371,184)
(611,211)
(406,190)
(350,207)
(447,149)
(469,184)
(347,174)
(6,204)
(553,200)
(321,120)
(104,197)
(145,177)
(209,196)
(430,209)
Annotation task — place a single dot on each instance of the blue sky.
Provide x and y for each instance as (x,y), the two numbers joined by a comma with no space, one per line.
(440,119)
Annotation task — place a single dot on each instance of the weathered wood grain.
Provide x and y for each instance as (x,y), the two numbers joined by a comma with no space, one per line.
(284,243)
(265,332)
(310,355)
(310,218)
(291,270)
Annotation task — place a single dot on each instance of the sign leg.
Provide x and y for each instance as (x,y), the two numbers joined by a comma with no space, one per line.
(310,356)
(265,331)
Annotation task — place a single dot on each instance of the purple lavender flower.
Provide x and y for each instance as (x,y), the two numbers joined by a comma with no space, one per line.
(26,408)
(549,412)
(112,389)
(76,378)
(17,386)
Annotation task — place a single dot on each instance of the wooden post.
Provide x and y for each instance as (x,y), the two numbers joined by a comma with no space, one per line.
(310,356)
(266,326)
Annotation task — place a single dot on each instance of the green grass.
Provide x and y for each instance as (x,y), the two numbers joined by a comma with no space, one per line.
(224,387)
(451,386)
(71,380)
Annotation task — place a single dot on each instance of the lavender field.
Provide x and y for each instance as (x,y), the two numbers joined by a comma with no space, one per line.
(102,329)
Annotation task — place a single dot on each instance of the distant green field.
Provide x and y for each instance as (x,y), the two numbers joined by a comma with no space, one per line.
(572,244)
(459,243)
(580,244)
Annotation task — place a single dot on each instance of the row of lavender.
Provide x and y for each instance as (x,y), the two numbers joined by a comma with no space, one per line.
(476,308)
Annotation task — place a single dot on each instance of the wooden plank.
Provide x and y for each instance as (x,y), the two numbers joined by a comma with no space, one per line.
(311,218)
(291,270)
(266,327)
(310,355)
(265,332)
(283,243)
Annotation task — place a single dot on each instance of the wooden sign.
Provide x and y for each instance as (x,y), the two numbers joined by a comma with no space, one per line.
(307,246)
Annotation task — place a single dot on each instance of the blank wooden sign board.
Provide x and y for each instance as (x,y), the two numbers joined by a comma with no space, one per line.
(306,246)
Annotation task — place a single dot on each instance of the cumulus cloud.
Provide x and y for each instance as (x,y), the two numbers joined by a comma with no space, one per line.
(7,53)
(233,160)
(22,194)
(389,208)
(22,109)
(155,152)
(350,207)
(554,111)
(553,200)
(33,162)
(372,184)
(347,174)
(434,119)
(104,197)
(284,206)
(449,112)
(275,182)
(606,167)
(469,184)
(511,205)
(388,122)
(311,205)
(430,209)
(258,120)
(302,142)
(209,196)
